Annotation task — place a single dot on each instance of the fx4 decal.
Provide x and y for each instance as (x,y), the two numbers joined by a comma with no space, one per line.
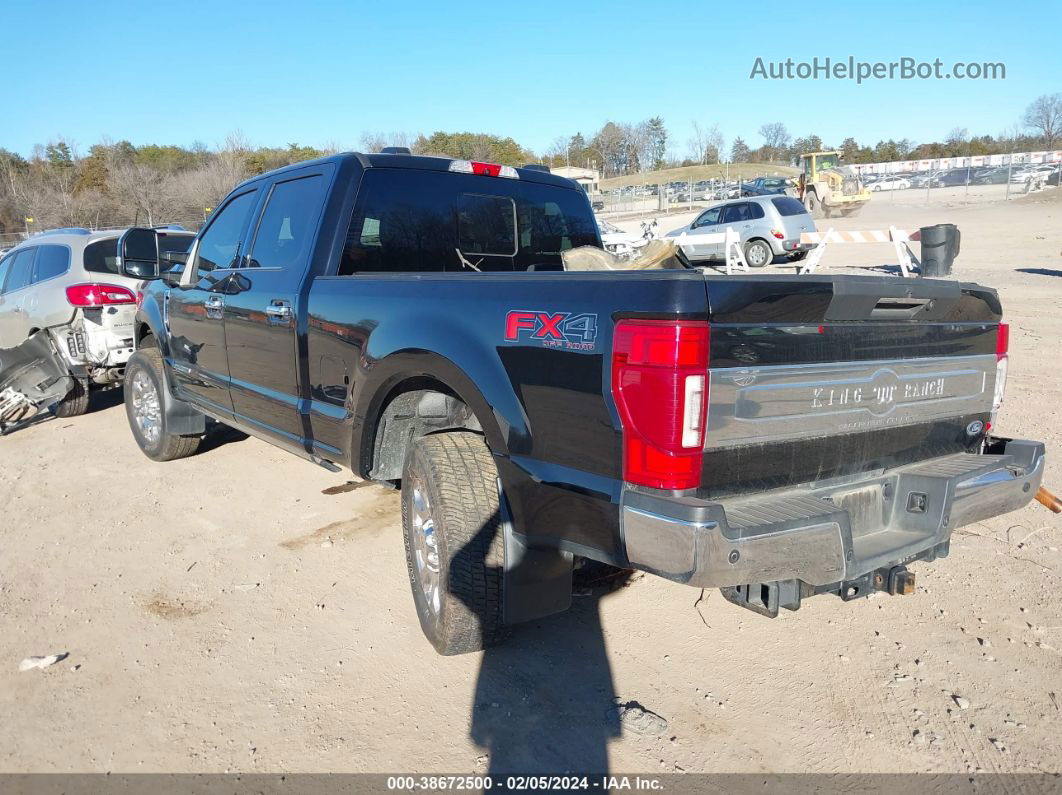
(552,329)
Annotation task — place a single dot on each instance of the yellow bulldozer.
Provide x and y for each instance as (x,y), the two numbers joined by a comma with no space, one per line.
(827,188)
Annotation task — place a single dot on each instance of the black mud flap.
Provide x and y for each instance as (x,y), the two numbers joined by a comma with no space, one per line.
(33,376)
(537,582)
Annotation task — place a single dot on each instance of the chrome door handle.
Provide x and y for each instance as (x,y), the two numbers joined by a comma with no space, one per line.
(278,311)
(215,306)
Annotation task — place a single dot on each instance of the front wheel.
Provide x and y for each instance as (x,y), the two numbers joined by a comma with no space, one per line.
(812,205)
(453,537)
(145,408)
(758,254)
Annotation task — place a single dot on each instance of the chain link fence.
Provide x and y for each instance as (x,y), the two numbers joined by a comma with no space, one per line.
(682,195)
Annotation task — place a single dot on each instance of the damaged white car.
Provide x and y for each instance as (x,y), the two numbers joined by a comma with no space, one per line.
(66,318)
(623,244)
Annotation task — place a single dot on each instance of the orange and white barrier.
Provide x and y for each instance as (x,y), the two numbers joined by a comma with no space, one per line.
(898,237)
(868,236)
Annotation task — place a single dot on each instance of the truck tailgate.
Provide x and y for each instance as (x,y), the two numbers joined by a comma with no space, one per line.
(818,378)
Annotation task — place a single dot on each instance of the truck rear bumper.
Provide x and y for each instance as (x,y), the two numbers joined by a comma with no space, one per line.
(830,533)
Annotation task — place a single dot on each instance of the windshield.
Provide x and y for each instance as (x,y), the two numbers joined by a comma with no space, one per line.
(828,161)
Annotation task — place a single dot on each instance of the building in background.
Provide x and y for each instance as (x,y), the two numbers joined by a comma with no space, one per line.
(588,178)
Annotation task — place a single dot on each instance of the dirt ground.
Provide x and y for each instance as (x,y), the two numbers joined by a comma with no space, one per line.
(236,611)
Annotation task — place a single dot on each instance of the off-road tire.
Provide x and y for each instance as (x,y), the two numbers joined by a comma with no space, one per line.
(812,205)
(457,472)
(169,446)
(768,256)
(76,401)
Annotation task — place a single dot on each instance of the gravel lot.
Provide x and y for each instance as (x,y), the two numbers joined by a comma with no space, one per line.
(226,612)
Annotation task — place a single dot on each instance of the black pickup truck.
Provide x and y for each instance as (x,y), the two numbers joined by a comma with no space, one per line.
(411,318)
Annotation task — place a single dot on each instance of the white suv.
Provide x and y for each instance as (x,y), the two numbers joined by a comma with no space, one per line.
(66,282)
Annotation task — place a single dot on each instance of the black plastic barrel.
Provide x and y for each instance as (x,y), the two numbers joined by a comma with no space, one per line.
(940,247)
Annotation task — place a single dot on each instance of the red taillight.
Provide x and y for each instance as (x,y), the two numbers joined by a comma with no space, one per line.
(777,234)
(660,385)
(139,298)
(1002,346)
(1003,340)
(99,295)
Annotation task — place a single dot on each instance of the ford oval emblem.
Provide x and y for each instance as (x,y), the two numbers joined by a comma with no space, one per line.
(975,428)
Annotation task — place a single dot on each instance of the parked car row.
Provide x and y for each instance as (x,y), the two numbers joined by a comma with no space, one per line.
(946,178)
(678,192)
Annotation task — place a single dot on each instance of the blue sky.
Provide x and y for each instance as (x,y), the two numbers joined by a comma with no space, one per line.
(324,72)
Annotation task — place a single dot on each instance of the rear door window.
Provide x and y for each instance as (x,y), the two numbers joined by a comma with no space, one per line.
(755,211)
(52,261)
(288,224)
(787,205)
(734,213)
(21,272)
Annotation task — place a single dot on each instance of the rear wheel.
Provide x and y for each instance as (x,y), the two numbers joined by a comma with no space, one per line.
(758,254)
(453,539)
(76,401)
(145,408)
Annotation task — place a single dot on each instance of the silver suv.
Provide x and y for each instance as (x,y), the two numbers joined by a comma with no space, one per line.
(65,282)
(769,227)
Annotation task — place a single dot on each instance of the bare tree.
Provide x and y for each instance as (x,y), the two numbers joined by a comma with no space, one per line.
(775,139)
(375,141)
(558,151)
(706,145)
(142,193)
(1045,116)
(372,142)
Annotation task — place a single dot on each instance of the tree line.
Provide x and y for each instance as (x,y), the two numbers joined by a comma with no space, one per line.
(623,149)
(118,184)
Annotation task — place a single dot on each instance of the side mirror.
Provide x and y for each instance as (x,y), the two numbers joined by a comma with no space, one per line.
(138,253)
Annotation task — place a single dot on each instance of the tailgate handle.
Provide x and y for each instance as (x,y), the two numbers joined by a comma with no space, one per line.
(899,307)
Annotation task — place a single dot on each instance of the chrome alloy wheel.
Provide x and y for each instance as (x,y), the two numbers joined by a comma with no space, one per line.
(426,550)
(146,409)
